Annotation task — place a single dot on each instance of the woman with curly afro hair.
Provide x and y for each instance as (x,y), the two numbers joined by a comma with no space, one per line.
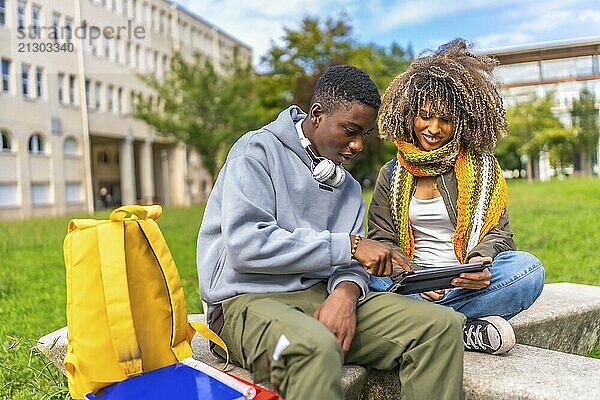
(442,200)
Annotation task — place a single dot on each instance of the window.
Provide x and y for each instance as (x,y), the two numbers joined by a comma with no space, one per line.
(21,15)
(567,68)
(68,29)
(87,93)
(25,80)
(55,27)
(40,194)
(5,76)
(147,66)
(106,47)
(8,195)
(97,94)
(132,102)
(128,53)
(73,192)
(118,50)
(5,142)
(70,147)
(153,24)
(60,83)
(165,65)
(144,12)
(35,19)
(114,5)
(134,9)
(125,8)
(109,97)
(2,12)
(39,83)
(155,64)
(72,89)
(137,56)
(94,42)
(36,144)
(120,100)
(182,33)
(162,22)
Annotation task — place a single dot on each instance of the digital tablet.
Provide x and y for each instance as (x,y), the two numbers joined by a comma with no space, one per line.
(424,280)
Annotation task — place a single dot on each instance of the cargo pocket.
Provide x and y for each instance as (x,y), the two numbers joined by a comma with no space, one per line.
(255,342)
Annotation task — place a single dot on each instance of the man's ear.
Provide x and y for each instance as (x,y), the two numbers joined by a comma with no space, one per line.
(316,114)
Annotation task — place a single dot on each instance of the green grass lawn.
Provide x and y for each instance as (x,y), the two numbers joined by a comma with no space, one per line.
(557,221)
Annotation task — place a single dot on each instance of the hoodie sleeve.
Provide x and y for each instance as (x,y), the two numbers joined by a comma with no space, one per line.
(255,242)
(356,271)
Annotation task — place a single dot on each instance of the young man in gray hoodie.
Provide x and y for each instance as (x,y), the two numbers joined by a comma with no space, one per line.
(283,266)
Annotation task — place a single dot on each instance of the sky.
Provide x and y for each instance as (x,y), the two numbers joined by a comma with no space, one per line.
(422,24)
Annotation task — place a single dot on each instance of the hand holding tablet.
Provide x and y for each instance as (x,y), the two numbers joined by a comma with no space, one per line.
(428,279)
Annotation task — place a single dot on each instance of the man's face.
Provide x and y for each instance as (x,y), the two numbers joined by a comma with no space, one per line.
(432,130)
(339,134)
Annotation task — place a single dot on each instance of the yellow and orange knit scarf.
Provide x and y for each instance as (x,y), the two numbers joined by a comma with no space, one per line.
(482,192)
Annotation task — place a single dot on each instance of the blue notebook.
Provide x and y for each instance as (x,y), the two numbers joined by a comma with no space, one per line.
(177,381)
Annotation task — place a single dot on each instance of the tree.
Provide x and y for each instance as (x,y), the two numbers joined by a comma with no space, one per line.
(584,115)
(292,69)
(208,111)
(202,108)
(533,128)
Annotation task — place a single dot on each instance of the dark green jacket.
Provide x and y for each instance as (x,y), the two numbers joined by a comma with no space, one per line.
(381,226)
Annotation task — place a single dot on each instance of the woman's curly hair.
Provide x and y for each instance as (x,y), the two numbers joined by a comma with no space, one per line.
(457,81)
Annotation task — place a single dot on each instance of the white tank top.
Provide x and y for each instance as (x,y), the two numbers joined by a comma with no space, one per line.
(432,231)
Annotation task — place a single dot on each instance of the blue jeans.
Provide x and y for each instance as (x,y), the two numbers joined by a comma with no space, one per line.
(517,281)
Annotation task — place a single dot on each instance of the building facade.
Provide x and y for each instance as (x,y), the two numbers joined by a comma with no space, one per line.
(68,142)
(561,68)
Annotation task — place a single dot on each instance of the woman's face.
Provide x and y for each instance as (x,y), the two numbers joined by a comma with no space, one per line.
(432,130)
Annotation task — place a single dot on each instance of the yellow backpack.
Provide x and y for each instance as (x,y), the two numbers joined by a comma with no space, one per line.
(126,310)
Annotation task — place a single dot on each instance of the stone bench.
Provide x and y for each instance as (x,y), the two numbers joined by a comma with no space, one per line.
(565,318)
(563,325)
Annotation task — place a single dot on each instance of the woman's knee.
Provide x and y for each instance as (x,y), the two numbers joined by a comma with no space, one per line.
(517,267)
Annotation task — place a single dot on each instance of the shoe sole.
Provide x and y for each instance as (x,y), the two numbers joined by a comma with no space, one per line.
(507,334)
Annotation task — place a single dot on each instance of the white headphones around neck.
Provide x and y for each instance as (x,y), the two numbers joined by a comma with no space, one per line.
(323,169)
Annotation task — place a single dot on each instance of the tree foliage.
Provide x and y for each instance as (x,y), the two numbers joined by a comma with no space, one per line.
(533,128)
(201,107)
(584,115)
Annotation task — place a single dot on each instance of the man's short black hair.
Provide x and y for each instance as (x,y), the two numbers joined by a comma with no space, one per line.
(344,84)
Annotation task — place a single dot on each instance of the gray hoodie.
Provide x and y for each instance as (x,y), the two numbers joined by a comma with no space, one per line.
(270,227)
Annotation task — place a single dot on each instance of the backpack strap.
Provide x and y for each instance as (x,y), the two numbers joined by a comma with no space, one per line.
(208,333)
(179,344)
(156,241)
(392,166)
(111,246)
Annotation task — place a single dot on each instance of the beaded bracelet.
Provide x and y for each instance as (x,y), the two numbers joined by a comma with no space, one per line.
(357,240)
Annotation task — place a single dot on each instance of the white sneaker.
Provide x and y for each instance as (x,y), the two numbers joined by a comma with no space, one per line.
(492,335)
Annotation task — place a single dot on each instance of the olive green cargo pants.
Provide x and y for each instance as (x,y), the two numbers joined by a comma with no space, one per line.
(275,336)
